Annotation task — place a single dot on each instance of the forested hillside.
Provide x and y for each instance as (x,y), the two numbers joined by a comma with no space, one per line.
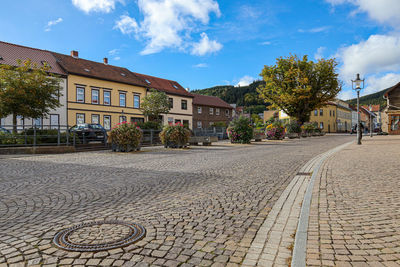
(246,96)
(373,99)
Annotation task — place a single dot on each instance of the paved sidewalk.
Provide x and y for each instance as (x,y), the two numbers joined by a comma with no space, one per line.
(355,208)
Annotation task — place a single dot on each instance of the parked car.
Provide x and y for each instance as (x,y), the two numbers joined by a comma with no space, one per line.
(88,132)
(4,130)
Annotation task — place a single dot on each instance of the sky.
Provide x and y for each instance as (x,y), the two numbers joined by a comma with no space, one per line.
(204,43)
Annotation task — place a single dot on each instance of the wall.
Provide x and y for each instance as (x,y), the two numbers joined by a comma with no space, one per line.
(328,118)
(207,120)
(113,110)
(177,113)
(344,120)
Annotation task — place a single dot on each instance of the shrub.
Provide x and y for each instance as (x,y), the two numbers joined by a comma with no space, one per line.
(240,130)
(155,125)
(309,127)
(293,127)
(175,135)
(275,131)
(125,137)
(7,139)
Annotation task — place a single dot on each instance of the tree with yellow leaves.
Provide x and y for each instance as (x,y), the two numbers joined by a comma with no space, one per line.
(298,86)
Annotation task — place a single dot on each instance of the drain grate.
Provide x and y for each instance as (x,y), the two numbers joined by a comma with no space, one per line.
(305,173)
(99,236)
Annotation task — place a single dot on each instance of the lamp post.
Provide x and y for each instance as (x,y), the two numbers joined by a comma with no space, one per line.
(370,120)
(357,85)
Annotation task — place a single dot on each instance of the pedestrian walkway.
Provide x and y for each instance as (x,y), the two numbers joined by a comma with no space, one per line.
(355,209)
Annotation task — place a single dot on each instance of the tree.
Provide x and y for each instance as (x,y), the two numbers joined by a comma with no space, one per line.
(298,86)
(154,104)
(28,91)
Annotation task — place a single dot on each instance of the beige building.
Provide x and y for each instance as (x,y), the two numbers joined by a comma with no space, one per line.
(181,101)
(344,117)
(391,115)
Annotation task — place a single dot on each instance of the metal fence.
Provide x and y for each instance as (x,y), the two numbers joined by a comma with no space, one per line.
(151,137)
(219,132)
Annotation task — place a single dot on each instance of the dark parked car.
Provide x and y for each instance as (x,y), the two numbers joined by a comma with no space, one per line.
(89,132)
(4,130)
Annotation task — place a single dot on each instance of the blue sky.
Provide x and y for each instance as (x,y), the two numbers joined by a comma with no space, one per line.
(203,43)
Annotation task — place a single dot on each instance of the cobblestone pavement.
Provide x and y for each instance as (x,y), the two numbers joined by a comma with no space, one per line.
(200,206)
(355,208)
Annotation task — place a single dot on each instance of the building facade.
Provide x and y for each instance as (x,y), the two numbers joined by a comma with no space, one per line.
(181,101)
(9,55)
(343,117)
(325,117)
(209,110)
(391,115)
(101,93)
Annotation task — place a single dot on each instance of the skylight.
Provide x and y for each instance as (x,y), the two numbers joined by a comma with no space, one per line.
(87,70)
(1,58)
(123,74)
(147,81)
(176,87)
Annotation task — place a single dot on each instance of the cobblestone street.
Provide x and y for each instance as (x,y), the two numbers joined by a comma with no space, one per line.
(200,206)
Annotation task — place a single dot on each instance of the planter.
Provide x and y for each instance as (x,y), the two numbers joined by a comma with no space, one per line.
(293,135)
(124,148)
(304,135)
(172,144)
(315,134)
(259,137)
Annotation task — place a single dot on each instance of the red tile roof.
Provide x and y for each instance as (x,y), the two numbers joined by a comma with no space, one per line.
(10,53)
(211,101)
(97,70)
(164,85)
(375,108)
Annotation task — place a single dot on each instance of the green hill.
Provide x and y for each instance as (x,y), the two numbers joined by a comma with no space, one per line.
(246,96)
(373,99)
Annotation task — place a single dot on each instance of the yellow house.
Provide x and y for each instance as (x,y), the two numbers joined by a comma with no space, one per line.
(101,93)
(325,117)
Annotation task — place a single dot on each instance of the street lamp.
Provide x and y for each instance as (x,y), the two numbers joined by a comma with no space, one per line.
(370,120)
(357,85)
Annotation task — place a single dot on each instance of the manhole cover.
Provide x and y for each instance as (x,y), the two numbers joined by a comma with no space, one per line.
(98,236)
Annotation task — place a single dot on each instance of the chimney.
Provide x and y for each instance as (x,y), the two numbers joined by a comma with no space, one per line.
(74,54)
(105,61)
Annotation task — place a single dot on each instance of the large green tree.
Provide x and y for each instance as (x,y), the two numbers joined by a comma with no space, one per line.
(154,104)
(28,91)
(297,86)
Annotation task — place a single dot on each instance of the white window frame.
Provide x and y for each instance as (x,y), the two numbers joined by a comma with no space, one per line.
(211,111)
(227,112)
(107,118)
(98,96)
(199,125)
(136,97)
(78,90)
(122,118)
(53,124)
(199,110)
(120,94)
(217,111)
(78,118)
(109,97)
(98,118)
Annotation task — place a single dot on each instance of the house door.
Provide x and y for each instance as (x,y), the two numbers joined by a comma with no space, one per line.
(394,124)
(329,128)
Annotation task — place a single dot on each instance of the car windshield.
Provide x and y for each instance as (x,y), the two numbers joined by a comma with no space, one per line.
(96,126)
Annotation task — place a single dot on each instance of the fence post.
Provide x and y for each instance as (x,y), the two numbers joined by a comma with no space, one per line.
(26,141)
(151,136)
(73,139)
(67,133)
(58,135)
(34,135)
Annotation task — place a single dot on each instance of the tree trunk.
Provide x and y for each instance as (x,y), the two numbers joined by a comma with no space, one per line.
(14,119)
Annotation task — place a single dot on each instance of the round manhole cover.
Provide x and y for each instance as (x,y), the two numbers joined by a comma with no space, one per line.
(98,236)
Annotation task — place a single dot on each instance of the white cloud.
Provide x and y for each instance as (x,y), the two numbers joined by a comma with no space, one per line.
(320,53)
(205,46)
(383,11)
(378,54)
(245,80)
(52,23)
(266,43)
(346,95)
(113,52)
(201,65)
(377,83)
(88,6)
(315,30)
(117,58)
(170,23)
(126,25)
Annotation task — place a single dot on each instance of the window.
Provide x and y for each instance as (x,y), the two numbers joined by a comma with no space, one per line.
(333,112)
(137,120)
(186,123)
(178,121)
(80,94)
(54,121)
(122,119)
(199,125)
(107,122)
(80,118)
(217,111)
(107,98)
(2,121)
(171,102)
(316,112)
(321,112)
(227,112)
(37,122)
(95,96)
(184,104)
(321,125)
(211,123)
(122,99)
(136,101)
(170,120)
(330,113)
(199,110)
(211,111)
(95,118)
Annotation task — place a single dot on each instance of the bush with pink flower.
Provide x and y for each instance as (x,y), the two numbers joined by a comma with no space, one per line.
(275,131)
(240,130)
(125,137)
(175,135)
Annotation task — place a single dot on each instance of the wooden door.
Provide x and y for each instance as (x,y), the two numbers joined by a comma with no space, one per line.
(394,124)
